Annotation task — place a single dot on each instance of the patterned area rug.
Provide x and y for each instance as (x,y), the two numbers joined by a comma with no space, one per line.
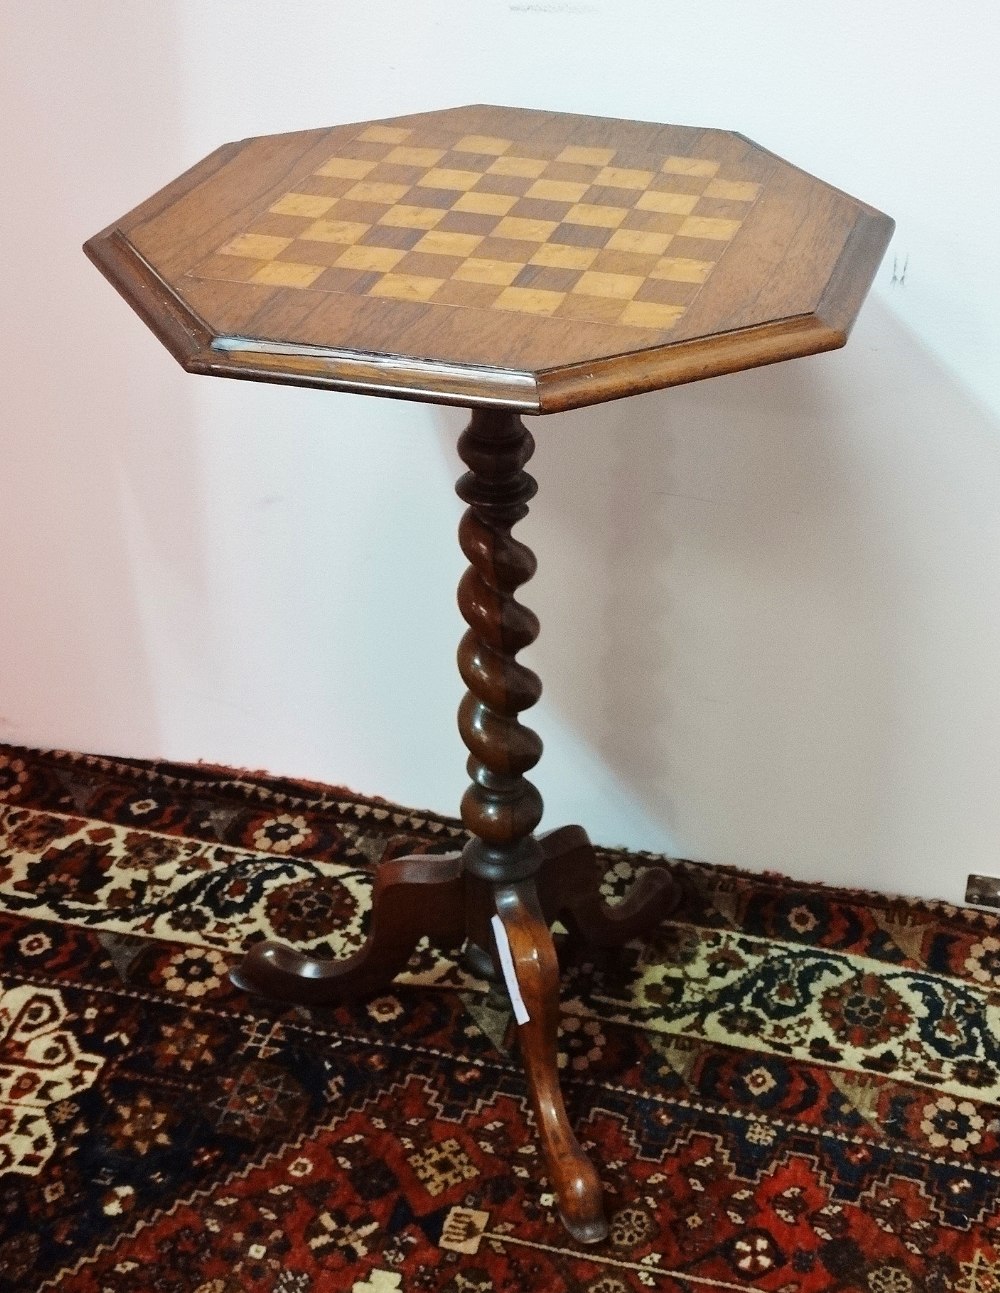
(791,1088)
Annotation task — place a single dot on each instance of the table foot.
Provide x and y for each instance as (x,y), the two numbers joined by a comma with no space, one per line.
(573,1176)
(412,897)
(569,888)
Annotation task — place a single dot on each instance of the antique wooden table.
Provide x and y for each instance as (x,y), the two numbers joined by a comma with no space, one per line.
(512,262)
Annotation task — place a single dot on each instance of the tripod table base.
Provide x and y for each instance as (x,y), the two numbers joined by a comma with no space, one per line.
(418,896)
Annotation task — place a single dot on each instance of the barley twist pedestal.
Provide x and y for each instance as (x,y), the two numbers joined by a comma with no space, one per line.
(511,262)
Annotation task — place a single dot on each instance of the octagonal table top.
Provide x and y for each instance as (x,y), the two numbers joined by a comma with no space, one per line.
(490,256)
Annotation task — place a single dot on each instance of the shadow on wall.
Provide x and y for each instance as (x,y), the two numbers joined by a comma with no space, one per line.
(114,488)
(742,600)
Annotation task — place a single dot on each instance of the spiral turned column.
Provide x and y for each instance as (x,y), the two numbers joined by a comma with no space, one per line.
(501,807)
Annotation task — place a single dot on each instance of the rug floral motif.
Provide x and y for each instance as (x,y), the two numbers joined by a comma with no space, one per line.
(789,1087)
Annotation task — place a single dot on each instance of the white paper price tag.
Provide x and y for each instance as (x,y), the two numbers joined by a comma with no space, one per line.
(507,965)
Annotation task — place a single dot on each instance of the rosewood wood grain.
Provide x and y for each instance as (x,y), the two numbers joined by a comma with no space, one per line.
(572,259)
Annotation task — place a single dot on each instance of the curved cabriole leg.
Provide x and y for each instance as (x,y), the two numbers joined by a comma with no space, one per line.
(571,1172)
(569,887)
(412,897)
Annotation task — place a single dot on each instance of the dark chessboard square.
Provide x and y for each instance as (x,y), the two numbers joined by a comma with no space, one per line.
(478,295)
(393,173)
(716,208)
(365,150)
(384,235)
(667,291)
(433,137)
(696,248)
(595,309)
(511,185)
(428,265)
(457,161)
(581,235)
(424,196)
(532,150)
(571,172)
(280,226)
(604,196)
(331,186)
(352,282)
(653,221)
(513,249)
(632,159)
(547,278)
(467,222)
(539,209)
(693,184)
(357,212)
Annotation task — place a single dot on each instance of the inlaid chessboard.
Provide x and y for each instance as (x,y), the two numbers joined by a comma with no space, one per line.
(602,234)
(498,256)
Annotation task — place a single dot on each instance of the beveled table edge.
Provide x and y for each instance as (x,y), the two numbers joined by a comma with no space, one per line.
(199,350)
(794,337)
